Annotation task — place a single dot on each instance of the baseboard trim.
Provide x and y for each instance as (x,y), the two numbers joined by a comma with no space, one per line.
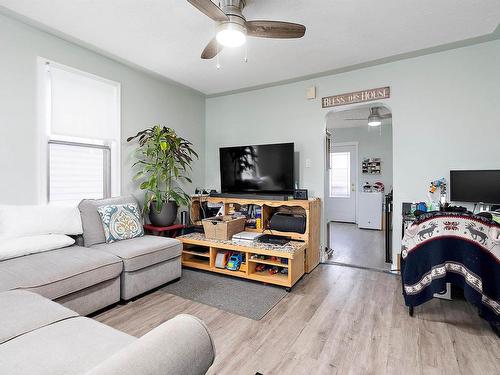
(389,272)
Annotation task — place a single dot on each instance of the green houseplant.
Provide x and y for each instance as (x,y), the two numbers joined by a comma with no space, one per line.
(164,160)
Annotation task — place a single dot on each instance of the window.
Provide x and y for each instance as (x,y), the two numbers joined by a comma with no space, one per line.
(78,171)
(340,174)
(82,135)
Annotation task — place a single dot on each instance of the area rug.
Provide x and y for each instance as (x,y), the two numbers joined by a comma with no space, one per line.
(242,297)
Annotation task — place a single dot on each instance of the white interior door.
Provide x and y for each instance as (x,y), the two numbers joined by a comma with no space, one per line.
(343,182)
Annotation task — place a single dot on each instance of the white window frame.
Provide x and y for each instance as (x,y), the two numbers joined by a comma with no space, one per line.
(112,180)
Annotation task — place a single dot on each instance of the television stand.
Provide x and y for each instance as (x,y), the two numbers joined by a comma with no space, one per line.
(201,253)
(257,196)
(310,208)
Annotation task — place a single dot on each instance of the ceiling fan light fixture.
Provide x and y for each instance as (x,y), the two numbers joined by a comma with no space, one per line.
(231,35)
(374,119)
(374,122)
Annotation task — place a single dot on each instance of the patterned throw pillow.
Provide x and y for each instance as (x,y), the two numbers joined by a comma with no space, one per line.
(121,222)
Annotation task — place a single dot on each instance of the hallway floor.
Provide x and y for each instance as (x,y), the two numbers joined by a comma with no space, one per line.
(358,247)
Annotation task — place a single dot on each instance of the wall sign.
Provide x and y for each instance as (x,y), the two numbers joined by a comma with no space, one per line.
(356,97)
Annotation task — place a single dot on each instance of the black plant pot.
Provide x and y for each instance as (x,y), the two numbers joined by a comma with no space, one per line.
(165,217)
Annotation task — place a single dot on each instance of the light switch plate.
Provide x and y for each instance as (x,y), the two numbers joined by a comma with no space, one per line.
(311,93)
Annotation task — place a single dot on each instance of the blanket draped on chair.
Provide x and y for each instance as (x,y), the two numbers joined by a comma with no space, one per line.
(462,249)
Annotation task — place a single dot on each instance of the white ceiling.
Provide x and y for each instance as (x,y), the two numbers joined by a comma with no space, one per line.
(167,36)
(344,118)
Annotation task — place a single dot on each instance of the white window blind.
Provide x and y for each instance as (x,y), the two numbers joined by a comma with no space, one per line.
(76,172)
(82,106)
(340,174)
(84,135)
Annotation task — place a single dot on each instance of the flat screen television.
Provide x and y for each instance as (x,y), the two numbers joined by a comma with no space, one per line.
(257,168)
(475,186)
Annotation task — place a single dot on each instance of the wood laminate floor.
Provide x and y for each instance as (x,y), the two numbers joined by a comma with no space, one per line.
(358,247)
(337,320)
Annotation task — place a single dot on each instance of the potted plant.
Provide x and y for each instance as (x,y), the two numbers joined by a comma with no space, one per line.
(164,160)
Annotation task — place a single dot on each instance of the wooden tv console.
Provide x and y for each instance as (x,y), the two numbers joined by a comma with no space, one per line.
(310,208)
(200,253)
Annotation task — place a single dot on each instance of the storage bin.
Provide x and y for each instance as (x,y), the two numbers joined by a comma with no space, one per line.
(223,227)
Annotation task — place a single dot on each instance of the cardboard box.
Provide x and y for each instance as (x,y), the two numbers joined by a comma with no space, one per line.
(223,227)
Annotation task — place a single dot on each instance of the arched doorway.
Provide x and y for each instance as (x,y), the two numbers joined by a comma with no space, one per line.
(358,186)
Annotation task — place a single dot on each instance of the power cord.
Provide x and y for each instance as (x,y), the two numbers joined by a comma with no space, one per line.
(200,197)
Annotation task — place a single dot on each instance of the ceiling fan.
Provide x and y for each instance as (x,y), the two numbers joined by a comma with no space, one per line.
(374,119)
(233,28)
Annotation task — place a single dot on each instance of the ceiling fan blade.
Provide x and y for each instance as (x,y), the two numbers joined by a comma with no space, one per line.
(275,29)
(211,50)
(210,9)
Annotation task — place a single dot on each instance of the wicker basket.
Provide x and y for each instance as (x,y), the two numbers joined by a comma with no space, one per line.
(223,227)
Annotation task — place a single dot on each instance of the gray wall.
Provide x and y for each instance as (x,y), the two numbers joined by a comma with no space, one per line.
(146,100)
(444,105)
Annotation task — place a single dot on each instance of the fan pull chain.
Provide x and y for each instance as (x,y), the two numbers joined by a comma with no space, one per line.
(245,59)
(218,61)
(217,64)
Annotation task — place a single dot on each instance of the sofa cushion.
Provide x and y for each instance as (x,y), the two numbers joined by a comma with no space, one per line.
(180,346)
(56,273)
(121,221)
(41,219)
(22,312)
(93,231)
(72,346)
(141,252)
(19,246)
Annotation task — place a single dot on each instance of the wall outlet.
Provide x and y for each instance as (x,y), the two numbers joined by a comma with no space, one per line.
(308,163)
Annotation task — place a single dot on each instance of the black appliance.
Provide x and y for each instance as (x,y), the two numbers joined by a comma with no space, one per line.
(300,194)
(257,169)
(184,218)
(388,227)
(475,186)
(284,222)
(274,240)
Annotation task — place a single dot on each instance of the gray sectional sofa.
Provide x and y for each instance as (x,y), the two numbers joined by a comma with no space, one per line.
(95,275)
(82,279)
(148,261)
(44,294)
(41,337)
